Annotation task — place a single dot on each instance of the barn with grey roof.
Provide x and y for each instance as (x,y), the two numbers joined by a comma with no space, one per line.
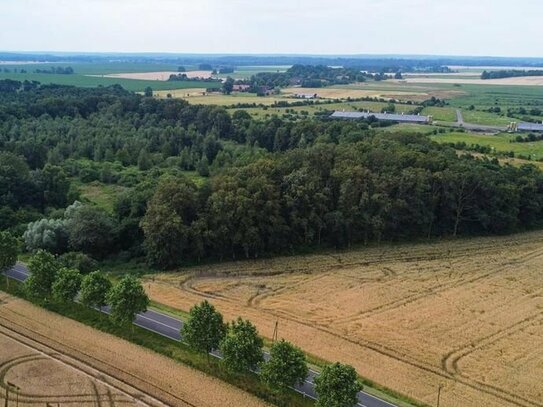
(394,117)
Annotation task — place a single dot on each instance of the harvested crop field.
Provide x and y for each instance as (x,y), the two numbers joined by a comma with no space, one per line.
(78,358)
(344,93)
(465,314)
(43,379)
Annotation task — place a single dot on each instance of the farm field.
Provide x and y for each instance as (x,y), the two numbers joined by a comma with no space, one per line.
(333,92)
(107,361)
(466,314)
(93,81)
(500,142)
(319,107)
(522,81)
(45,379)
(485,118)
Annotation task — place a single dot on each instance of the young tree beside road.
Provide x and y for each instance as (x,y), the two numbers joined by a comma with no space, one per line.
(242,347)
(337,386)
(43,268)
(286,367)
(127,298)
(8,251)
(204,330)
(94,289)
(66,285)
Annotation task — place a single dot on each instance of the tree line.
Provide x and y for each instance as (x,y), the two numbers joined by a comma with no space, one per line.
(262,187)
(510,73)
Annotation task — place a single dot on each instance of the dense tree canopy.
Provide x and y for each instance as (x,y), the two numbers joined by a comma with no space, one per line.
(199,182)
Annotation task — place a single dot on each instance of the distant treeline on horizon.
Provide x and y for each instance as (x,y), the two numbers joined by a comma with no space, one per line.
(386,63)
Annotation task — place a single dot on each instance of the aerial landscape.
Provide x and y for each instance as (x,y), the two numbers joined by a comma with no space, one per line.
(271,204)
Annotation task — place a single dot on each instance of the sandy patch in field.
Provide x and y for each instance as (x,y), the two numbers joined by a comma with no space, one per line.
(156,76)
(149,375)
(524,80)
(410,317)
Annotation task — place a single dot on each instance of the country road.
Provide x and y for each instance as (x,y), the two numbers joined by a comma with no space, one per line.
(170,327)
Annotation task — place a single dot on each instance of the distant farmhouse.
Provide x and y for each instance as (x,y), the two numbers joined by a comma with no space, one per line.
(306,96)
(241,88)
(393,117)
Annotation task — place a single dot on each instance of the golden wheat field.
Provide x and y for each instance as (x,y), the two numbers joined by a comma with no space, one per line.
(43,379)
(57,360)
(465,314)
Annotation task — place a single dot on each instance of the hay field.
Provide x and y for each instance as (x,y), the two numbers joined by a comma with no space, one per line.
(151,379)
(466,314)
(344,93)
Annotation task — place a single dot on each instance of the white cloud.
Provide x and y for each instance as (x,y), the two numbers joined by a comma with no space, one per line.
(482,27)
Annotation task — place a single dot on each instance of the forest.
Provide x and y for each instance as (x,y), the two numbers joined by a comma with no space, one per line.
(510,73)
(262,187)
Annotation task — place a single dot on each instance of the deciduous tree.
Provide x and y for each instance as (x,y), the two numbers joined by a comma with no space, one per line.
(337,386)
(242,347)
(43,268)
(66,285)
(94,289)
(286,367)
(127,298)
(204,330)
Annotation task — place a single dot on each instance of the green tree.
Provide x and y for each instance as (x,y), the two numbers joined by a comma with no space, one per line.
(144,161)
(94,289)
(228,86)
(8,252)
(168,220)
(47,234)
(286,367)
(79,261)
(43,268)
(148,91)
(337,386)
(204,330)
(127,298)
(66,285)
(242,347)
(91,230)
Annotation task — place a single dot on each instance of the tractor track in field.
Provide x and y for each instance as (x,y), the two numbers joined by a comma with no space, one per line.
(75,357)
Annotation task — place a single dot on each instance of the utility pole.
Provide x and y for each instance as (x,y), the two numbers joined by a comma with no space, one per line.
(274,337)
(439,394)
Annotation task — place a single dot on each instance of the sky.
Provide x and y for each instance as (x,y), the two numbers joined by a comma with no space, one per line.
(422,27)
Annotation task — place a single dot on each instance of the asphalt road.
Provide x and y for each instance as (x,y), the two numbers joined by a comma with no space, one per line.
(170,327)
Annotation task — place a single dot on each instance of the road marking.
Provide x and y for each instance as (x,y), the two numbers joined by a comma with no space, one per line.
(158,322)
